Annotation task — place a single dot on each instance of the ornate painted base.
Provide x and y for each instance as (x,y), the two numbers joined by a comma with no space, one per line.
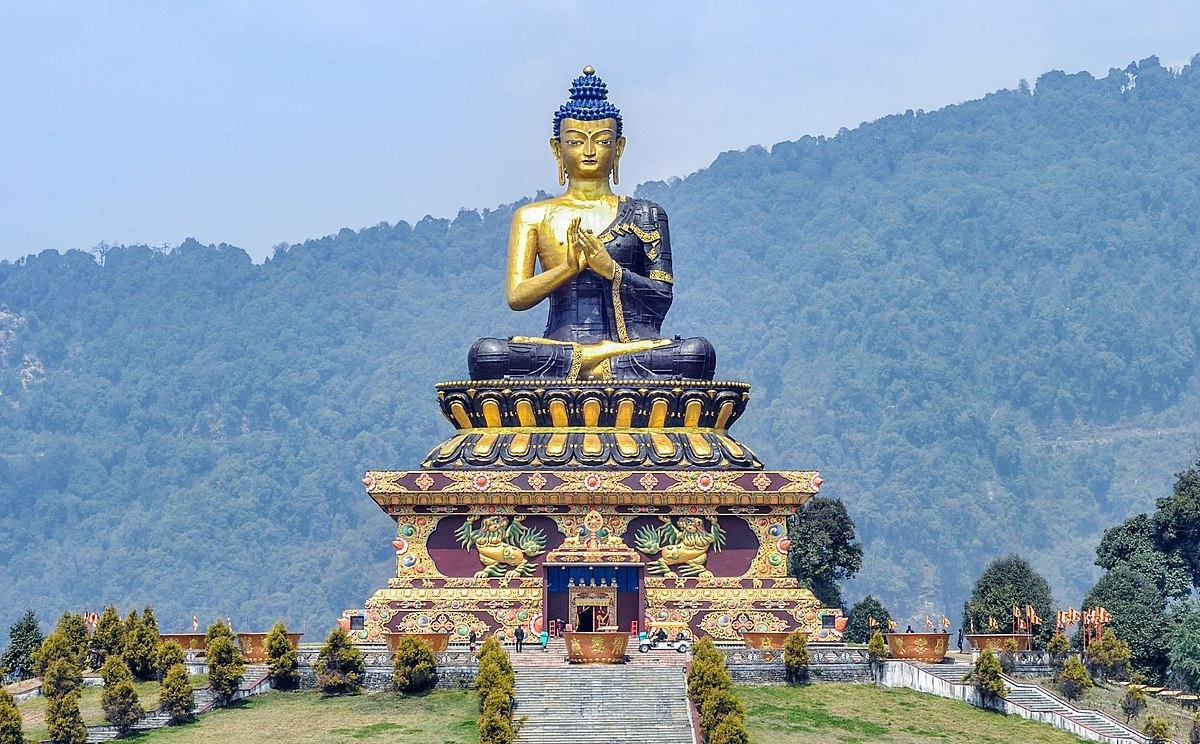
(995,641)
(486,551)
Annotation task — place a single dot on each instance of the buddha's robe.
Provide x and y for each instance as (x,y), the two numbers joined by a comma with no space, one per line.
(590,309)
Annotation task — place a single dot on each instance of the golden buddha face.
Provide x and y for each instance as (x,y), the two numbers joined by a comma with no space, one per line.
(587,150)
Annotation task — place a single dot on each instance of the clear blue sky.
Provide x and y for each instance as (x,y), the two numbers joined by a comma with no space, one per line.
(254,123)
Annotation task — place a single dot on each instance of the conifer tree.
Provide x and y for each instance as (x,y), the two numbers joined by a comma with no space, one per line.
(225,663)
(119,698)
(109,637)
(10,719)
(24,637)
(795,657)
(414,668)
(175,695)
(141,643)
(339,665)
(61,684)
(167,655)
(282,659)
(1074,679)
(987,677)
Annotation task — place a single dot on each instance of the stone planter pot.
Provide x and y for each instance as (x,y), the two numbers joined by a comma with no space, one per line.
(253,645)
(437,642)
(927,647)
(188,641)
(765,641)
(596,648)
(995,641)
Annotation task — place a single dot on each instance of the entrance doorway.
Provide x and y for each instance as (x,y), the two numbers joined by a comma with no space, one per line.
(594,598)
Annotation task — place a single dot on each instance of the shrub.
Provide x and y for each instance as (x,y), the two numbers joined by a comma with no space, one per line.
(1073,679)
(118,699)
(1158,729)
(1008,656)
(167,655)
(1109,657)
(339,665)
(795,657)
(717,706)
(109,638)
(64,723)
(1194,735)
(732,730)
(175,695)
(415,668)
(282,659)
(877,649)
(496,683)
(56,647)
(62,678)
(987,677)
(10,719)
(225,667)
(1058,647)
(141,643)
(708,671)
(1133,703)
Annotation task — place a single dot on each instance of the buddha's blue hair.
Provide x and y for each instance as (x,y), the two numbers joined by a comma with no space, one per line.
(589,102)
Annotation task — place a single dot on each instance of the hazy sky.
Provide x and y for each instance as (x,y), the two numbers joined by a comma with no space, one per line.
(255,123)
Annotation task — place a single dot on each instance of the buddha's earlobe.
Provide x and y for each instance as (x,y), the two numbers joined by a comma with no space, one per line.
(617,171)
(556,148)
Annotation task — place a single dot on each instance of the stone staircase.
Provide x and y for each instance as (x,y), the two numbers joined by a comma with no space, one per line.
(611,703)
(1035,702)
(555,655)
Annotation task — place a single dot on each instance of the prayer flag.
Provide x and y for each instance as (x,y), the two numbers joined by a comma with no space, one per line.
(872,622)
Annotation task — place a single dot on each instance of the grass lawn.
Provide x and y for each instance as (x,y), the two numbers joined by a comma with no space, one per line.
(863,713)
(441,717)
(33,712)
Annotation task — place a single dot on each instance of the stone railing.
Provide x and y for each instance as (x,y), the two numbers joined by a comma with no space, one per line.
(754,666)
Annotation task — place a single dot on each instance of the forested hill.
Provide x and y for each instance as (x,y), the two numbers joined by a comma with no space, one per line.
(979,323)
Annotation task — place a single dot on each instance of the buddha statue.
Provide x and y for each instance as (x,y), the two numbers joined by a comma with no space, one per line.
(605,265)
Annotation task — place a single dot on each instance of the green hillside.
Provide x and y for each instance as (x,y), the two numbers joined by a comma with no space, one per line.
(979,323)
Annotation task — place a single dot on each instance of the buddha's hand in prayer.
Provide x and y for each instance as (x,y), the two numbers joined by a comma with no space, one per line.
(593,253)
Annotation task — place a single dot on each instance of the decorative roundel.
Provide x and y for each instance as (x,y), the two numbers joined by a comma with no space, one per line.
(422,521)
(401,545)
(523,615)
(592,481)
(423,621)
(705,482)
(481,481)
(408,530)
(783,545)
(722,620)
(775,530)
(537,624)
(409,561)
(775,560)
(462,630)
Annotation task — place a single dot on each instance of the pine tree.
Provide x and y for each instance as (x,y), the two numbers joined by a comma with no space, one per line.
(64,722)
(61,684)
(414,668)
(175,695)
(24,637)
(225,666)
(987,677)
(339,665)
(167,655)
(795,657)
(1073,679)
(119,698)
(282,659)
(10,719)
(109,637)
(141,643)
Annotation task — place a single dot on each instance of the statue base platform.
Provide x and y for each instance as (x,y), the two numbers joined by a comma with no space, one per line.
(488,550)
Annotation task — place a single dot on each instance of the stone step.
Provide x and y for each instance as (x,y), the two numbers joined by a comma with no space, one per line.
(616,704)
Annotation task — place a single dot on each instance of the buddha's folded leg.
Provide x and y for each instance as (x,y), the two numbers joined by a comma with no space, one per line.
(497,358)
(689,358)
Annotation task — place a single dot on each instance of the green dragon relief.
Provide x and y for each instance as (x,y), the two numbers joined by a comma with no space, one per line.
(504,545)
(684,544)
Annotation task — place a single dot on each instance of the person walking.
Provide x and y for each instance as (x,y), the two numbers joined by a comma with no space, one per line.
(520,636)
(472,638)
